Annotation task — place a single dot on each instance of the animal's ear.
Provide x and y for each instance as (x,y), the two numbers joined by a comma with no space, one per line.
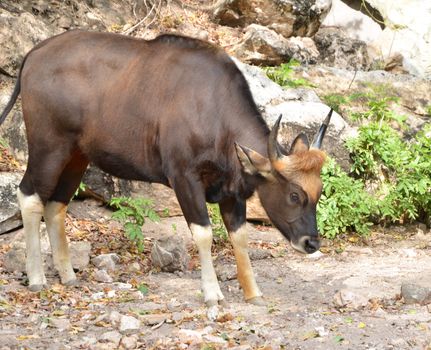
(300,144)
(252,162)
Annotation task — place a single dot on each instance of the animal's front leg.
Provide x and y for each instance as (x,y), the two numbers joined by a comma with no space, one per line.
(234,217)
(191,197)
(203,236)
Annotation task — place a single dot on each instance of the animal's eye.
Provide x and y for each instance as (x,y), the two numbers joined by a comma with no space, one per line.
(294,197)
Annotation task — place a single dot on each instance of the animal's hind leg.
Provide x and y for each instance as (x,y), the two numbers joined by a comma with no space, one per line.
(31,210)
(55,214)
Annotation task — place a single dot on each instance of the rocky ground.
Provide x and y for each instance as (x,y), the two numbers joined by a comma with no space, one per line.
(347,297)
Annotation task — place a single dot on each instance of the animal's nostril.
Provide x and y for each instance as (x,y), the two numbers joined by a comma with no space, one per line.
(311,245)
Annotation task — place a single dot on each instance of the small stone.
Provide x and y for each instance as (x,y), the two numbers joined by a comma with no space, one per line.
(114,318)
(134,267)
(429,308)
(226,272)
(316,255)
(348,298)
(129,323)
(259,254)
(123,286)
(80,254)
(98,295)
(170,254)
(61,324)
(14,260)
(137,295)
(106,262)
(153,319)
(189,336)
(213,339)
(112,336)
(129,342)
(177,316)
(415,293)
(102,276)
(321,331)
(173,304)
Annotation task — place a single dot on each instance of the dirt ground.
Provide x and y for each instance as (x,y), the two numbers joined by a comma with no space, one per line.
(305,308)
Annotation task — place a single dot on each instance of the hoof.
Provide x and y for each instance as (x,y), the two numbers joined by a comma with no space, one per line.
(71,283)
(257,301)
(36,287)
(211,303)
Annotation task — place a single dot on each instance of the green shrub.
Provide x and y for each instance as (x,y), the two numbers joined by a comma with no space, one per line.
(401,169)
(282,75)
(344,204)
(132,212)
(390,179)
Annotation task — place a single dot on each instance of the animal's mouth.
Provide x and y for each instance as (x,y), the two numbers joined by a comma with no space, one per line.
(306,245)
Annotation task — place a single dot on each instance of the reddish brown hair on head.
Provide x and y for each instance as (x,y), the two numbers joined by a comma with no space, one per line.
(310,161)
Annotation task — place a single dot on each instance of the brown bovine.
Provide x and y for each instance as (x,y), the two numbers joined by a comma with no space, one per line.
(172,110)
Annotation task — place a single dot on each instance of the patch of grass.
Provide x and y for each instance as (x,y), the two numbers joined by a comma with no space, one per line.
(282,75)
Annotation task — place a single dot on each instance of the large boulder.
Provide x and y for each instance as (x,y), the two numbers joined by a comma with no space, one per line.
(408,32)
(10,215)
(338,50)
(288,17)
(18,35)
(353,23)
(263,46)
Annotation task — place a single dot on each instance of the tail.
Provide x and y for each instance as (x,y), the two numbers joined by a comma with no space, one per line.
(13,98)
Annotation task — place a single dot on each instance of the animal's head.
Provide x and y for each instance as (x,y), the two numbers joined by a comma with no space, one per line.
(290,185)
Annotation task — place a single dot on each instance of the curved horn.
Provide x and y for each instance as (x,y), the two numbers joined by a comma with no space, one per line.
(317,142)
(274,152)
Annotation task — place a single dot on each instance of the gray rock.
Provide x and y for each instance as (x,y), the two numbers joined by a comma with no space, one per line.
(416,293)
(80,254)
(350,299)
(115,318)
(153,319)
(170,254)
(112,336)
(14,260)
(130,341)
(226,272)
(129,323)
(10,215)
(288,18)
(263,46)
(338,50)
(102,276)
(106,262)
(259,254)
(61,324)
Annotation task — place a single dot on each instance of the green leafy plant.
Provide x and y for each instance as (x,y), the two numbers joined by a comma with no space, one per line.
(282,75)
(81,188)
(219,230)
(132,213)
(401,170)
(344,204)
(335,101)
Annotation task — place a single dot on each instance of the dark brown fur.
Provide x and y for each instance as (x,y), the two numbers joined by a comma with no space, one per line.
(169,110)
